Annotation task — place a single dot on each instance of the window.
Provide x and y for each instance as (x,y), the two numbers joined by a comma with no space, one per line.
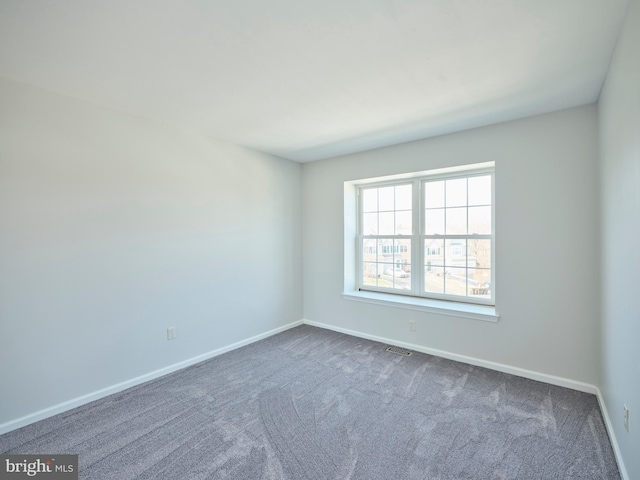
(430,236)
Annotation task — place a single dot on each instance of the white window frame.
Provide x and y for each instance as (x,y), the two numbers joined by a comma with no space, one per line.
(418,237)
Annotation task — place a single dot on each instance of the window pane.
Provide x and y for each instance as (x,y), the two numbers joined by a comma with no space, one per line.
(403,223)
(434,253)
(369,250)
(434,221)
(434,194)
(385,249)
(455,254)
(369,275)
(434,266)
(456,220)
(403,197)
(480,220)
(479,253)
(402,257)
(456,192)
(480,190)
(385,278)
(385,199)
(455,282)
(386,223)
(370,200)
(370,224)
(433,280)
(480,283)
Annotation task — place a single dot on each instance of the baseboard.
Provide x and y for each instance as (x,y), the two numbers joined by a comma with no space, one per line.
(612,435)
(90,397)
(520,372)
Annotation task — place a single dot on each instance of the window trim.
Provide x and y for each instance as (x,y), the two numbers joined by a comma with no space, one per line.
(470,311)
(417,238)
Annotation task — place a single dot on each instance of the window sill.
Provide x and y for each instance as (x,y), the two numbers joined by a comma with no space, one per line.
(441,307)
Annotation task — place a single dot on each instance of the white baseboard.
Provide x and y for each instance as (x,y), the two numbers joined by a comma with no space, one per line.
(520,372)
(612,435)
(90,397)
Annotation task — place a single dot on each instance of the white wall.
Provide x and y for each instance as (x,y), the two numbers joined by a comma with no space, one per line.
(546,240)
(113,228)
(619,117)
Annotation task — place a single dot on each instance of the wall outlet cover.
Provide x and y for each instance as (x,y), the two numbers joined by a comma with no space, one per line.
(171,333)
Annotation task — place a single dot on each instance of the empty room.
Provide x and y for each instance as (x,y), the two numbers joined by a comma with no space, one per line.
(320,240)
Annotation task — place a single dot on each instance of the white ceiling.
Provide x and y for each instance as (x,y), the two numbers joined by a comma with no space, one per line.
(310,79)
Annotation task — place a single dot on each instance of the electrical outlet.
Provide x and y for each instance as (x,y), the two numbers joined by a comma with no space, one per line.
(171,333)
(412,326)
(626,418)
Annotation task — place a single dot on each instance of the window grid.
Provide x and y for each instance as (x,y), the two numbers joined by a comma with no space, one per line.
(463,263)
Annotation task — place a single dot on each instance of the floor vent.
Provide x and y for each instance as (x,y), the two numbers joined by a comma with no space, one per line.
(399,351)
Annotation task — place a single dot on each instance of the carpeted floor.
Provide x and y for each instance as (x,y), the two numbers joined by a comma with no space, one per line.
(315,404)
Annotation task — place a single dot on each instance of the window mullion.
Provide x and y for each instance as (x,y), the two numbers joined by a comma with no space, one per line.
(444,243)
(417,254)
(359,259)
(493,237)
(359,239)
(466,243)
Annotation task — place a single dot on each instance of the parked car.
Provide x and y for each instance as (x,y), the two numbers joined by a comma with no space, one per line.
(397,272)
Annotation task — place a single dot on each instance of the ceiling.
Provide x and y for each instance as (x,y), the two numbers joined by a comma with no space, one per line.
(311,79)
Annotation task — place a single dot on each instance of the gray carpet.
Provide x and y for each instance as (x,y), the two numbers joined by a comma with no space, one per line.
(314,404)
